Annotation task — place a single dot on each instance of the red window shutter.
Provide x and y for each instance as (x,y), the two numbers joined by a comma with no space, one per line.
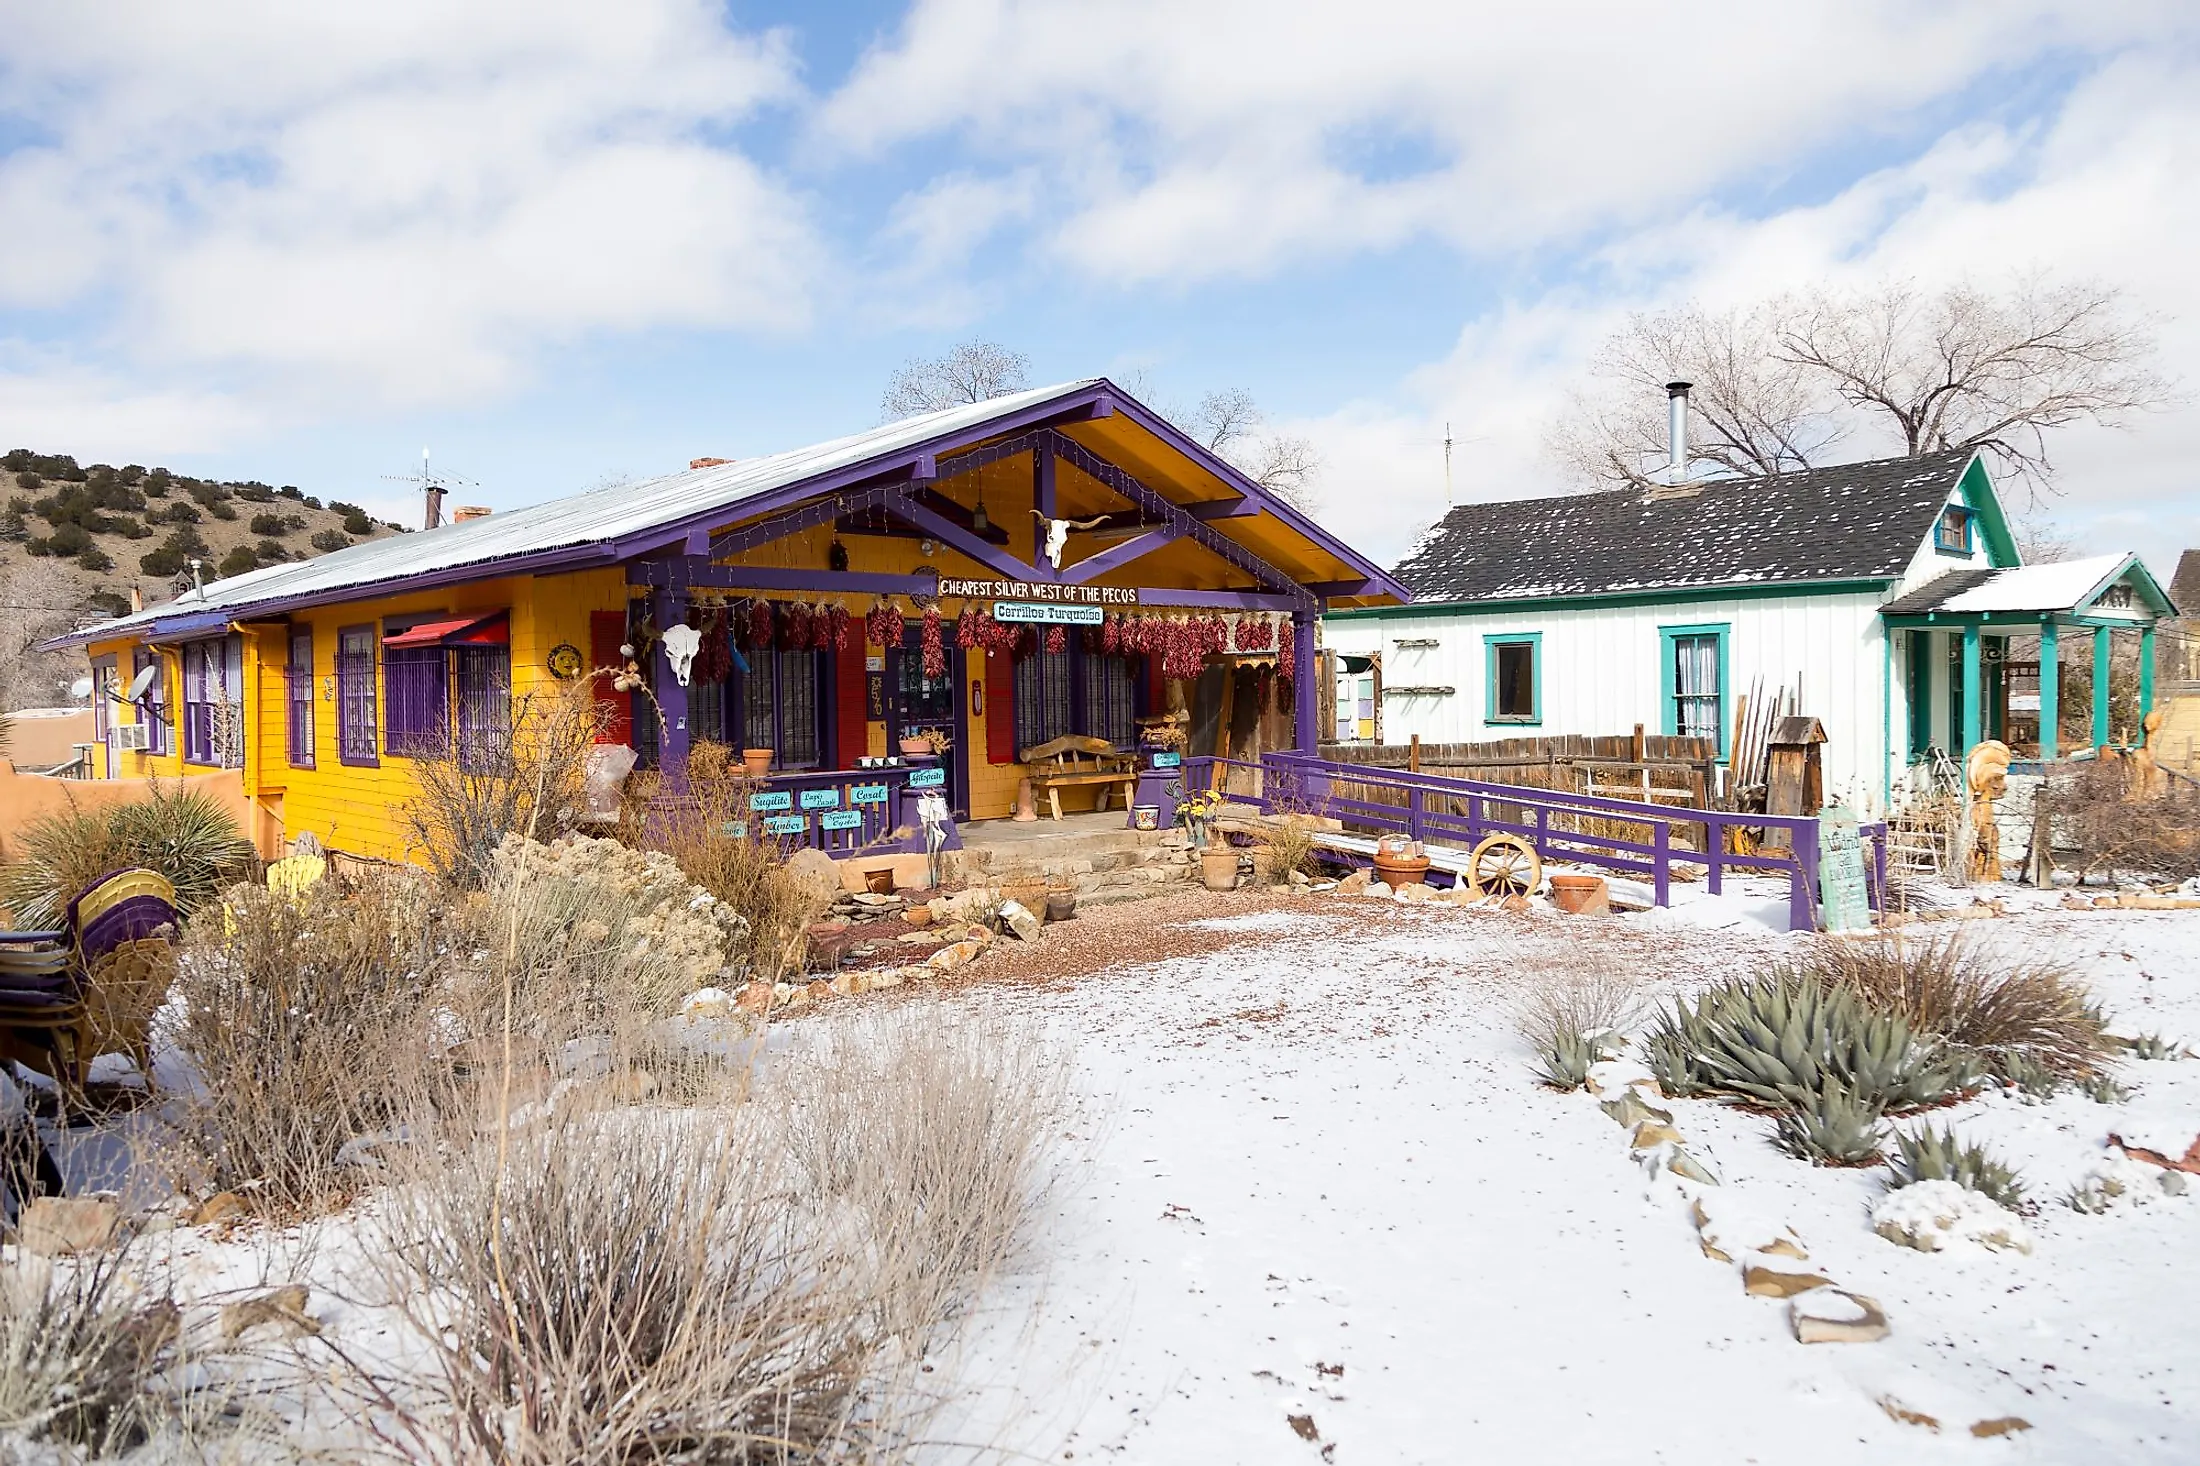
(851,729)
(1157,686)
(606,634)
(1000,708)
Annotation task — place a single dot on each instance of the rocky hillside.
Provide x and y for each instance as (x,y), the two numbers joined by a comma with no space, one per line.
(76,540)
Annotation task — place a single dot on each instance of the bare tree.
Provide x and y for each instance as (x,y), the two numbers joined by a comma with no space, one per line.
(1963,368)
(1228,423)
(38,599)
(1286,467)
(1224,420)
(1780,385)
(972,372)
(1751,412)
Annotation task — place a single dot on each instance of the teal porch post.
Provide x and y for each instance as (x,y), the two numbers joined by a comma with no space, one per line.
(2146,679)
(1971,681)
(2050,690)
(2100,687)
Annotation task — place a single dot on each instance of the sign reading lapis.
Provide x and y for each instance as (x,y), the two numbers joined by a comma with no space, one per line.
(840,819)
(771,799)
(927,778)
(821,799)
(867,794)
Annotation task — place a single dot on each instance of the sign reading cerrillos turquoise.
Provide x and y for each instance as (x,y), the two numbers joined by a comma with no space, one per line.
(1844,898)
(1034,613)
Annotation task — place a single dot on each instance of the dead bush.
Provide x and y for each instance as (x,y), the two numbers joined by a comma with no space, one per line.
(301,1019)
(526,780)
(602,1282)
(2123,814)
(711,832)
(1561,1010)
(2012,1011)
(84,1359)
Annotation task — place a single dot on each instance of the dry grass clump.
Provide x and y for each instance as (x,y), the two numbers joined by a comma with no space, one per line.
(183,833)
(1562,1011)
(302,1019)
(83,1360)
(728,1280)
(2016,1013)
(528,781)
(711,832)
(2121,814)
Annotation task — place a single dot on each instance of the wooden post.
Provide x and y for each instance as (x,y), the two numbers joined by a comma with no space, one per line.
(1640,752)
(1413,755)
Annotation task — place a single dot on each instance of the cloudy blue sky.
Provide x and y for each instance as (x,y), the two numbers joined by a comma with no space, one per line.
(562,240)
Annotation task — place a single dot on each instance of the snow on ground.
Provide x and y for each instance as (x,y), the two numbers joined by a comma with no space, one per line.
(1320,1211)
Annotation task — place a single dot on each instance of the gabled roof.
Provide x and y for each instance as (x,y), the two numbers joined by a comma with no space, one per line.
(2060,585)
(604,526)
(1856,521)
(2184,586)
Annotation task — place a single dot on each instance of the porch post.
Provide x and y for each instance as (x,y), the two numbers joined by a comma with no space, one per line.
(1302,679)
(2050,690)
(672,698)
(1971,689)
(1042,499)
(2146,678)
(2100,686)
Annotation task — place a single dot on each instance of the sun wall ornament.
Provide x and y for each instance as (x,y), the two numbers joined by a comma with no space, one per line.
(565,661)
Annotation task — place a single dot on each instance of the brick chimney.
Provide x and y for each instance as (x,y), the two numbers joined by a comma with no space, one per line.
(465,512)
(707,462)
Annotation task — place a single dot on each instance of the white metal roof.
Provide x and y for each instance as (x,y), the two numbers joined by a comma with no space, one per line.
(2057,586)
(594,517)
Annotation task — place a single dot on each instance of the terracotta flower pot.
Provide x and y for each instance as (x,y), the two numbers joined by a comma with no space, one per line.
(1218,868)
(756,762)
(1578,895)
(1401,870)
(916,747)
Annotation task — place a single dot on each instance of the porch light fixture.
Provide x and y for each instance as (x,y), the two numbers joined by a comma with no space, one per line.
(978,519)
(926,546)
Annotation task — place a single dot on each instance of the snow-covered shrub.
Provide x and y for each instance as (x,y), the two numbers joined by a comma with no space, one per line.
(1937,1155)
(302,1019)
(1931,1214)
(2025,1016)
(2118,1179)
(1563,1014)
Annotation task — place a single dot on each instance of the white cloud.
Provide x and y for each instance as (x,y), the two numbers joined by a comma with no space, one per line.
(388,204)
(1234,136)
(2102,188)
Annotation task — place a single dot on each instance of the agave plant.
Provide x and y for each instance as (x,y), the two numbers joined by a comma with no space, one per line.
(183,833)
(1788,1039)
(2103,1089)
(1831,1126)
(1937,1155)
(1563,1058)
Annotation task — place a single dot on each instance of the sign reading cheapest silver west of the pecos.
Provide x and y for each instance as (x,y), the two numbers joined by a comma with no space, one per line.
(1025,590)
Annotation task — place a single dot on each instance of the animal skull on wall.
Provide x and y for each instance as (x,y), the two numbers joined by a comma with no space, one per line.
(1058,534)
(681,644)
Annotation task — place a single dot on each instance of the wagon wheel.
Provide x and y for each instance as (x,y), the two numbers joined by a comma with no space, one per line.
(1504,865)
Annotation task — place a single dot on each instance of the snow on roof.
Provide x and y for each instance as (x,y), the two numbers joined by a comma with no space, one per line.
(2058,586)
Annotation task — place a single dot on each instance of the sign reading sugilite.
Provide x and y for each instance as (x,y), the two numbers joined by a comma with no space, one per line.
(1033,612)
(927,778)
(771,799)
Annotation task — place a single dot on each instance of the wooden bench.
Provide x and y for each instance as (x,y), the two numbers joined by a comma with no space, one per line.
(1072,759)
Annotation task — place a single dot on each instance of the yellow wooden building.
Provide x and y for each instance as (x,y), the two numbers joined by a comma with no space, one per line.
(1062,560)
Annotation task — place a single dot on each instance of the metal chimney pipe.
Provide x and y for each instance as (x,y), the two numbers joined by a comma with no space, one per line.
(1676,431)
(434,515)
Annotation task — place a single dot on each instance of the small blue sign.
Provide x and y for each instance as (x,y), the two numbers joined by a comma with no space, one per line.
(786,824)
(927,778)
(867,794)
(840,819)
(1167,760)
(821,799)
(772,799)
(736,829)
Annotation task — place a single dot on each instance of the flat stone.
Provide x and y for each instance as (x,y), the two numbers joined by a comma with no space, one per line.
(1759,1281)
(282,1311)
(1021,920)
(57,1226)
(894,977)
(827,928)
(955,955)
(922,939)
(755,998)
(876,900)
(1835,1316)
(1353,883)
(707,1003)
(2001,1425)
(1650,1134)
(220,1207)
(1631,1109)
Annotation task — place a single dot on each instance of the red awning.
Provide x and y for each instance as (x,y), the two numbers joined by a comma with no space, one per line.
(494,629)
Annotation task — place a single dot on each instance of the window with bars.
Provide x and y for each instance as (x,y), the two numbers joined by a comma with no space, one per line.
(416,688)
(779,707)
(1695,682)
(298,699)
(213,703)
(1076,691)
(153,706)
(484,707)
(355,698)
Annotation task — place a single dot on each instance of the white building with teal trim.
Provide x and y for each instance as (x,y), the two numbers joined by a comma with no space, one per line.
(1885,594)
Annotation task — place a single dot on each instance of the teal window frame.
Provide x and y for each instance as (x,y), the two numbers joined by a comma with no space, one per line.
(1669,638)
(1491,641)
(1970,531)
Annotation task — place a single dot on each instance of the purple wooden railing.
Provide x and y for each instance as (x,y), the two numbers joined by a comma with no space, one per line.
(1460,812)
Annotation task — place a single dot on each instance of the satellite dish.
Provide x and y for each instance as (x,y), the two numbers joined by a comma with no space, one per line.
(81,688)
(143,680)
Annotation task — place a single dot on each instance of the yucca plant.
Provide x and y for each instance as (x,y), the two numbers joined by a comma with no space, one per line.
(2103,1089)
(2154,1046)
(1937,1155)
(1831,1126)
(1562,1059)
(185,834)
(2033,1078)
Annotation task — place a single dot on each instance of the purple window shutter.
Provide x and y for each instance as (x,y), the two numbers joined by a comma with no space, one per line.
(416,681)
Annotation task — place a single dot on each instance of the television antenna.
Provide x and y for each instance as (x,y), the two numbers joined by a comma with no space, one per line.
(1449,443)
(432,487)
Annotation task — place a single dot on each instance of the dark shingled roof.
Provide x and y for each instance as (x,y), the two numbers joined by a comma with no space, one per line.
(1937,592)
(1857,521)
(2184,586)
